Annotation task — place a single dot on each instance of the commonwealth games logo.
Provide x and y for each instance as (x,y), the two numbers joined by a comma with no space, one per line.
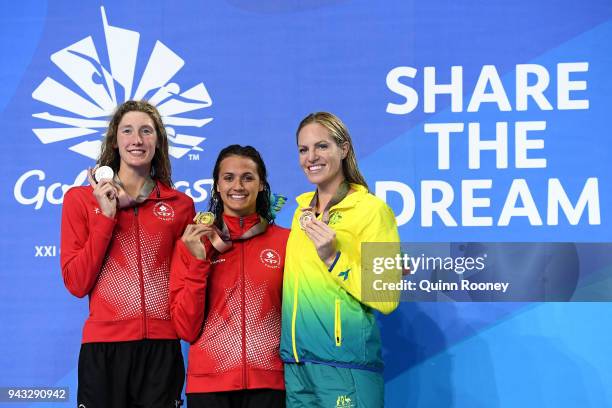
(84,103)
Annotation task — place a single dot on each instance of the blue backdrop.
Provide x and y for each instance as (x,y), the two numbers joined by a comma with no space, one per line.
(534,76)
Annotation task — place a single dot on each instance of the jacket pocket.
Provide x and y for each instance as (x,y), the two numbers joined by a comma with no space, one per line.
(338,324)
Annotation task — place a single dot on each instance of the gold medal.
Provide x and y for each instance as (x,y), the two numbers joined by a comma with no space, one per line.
(204,217)
(306,217)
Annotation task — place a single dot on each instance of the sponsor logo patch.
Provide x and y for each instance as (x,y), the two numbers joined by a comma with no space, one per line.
(270,258)
(163,211)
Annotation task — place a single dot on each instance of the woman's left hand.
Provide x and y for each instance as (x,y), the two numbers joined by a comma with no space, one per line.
(323,238)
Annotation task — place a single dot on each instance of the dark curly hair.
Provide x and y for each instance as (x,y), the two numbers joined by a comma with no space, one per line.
(263,206)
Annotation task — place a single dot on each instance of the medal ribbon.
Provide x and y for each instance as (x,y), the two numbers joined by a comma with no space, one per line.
(222,242)
(341,192)
(124,200)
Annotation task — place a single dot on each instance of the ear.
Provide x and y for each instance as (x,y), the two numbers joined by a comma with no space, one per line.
(345,149)
(261,187)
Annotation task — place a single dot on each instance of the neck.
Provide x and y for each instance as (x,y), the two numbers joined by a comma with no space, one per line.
(326,192)
(133,179)
(238,214)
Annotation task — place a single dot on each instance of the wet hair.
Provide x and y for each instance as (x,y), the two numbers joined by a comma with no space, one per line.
(338,132)
(263,206)
(161,169)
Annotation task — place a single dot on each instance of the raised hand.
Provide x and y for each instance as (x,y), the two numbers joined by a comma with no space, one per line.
(106,194)
(323,238)
(192,237)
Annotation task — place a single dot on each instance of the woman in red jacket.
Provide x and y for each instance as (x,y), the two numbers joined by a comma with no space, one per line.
(225,290)
(118,236)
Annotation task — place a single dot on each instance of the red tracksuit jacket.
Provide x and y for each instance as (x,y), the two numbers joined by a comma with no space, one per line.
(123,264)
(229,308)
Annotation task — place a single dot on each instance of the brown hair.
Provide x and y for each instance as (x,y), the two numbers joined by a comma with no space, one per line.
(109,155)
(338,132)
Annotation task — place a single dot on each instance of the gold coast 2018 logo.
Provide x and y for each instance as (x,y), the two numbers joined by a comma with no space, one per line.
(82,114)
(96,77)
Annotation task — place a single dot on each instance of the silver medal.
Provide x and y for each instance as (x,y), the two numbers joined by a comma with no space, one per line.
(103,172)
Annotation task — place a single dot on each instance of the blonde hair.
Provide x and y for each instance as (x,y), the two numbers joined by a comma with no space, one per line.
(338,132)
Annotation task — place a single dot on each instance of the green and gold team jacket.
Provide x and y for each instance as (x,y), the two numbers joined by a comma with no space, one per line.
(324,319)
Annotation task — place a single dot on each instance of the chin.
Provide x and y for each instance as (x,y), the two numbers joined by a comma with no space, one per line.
(314,178)
(318,179)
(240,209)
(137,162)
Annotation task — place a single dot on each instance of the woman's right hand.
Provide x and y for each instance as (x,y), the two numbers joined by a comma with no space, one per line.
(192,237)
(106,194)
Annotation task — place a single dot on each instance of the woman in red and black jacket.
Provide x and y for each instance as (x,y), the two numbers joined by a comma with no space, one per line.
(225,289)
(117,239)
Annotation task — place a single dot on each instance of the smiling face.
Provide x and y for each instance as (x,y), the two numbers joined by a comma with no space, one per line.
(320,156)
(136,141)
(238,185)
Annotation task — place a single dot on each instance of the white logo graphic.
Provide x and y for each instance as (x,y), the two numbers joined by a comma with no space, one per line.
(30,188)
(270,258)
(163,211)
(85,111)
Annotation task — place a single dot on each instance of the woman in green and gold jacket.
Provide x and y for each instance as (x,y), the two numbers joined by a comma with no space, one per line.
(330,342)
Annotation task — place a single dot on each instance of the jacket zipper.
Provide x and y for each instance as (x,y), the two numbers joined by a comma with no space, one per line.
(338,324)
(244,371)
(140,275)
(294,316)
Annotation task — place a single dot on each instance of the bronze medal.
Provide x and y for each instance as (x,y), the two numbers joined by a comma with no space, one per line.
(306,217)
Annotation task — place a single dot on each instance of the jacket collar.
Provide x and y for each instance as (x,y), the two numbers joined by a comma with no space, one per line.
(358,192)
(239,225)
(161,191)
